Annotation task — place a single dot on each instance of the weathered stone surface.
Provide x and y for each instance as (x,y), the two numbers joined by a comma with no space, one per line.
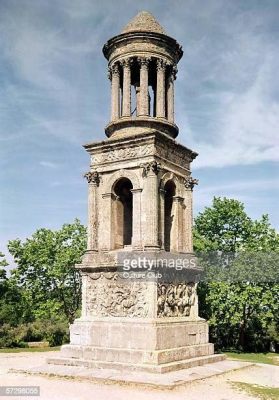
(143,21)
(139,208)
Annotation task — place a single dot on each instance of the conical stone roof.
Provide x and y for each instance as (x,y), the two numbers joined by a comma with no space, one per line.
(144,22)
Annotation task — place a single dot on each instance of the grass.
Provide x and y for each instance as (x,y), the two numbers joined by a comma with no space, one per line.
(262,392)
(264,358)
(29,349)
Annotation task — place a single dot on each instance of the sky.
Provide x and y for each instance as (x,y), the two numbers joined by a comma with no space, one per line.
(55,97)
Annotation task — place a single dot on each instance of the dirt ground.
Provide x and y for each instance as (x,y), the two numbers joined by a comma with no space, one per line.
(215,388)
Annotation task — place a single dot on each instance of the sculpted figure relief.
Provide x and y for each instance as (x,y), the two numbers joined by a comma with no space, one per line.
(175,300)
(106,296)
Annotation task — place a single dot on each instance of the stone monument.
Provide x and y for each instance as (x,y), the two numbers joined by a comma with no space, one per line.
(139,206)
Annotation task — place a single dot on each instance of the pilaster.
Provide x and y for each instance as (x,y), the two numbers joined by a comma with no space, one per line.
(93,180)
(151,205)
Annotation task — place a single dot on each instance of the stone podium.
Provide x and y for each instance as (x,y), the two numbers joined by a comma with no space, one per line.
(139,205)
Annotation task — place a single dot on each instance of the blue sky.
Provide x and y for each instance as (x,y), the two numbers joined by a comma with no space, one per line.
(55,96)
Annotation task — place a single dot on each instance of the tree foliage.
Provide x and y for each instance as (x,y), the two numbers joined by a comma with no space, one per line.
(45,273)
(240,294)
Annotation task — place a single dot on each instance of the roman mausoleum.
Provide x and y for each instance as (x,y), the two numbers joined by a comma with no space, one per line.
(139,205)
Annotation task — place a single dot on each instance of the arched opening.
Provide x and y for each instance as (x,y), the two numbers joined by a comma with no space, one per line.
(169,214)
(123,213)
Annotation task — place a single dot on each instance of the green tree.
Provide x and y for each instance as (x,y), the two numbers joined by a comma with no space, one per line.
(45,270)
(12,310)
(3,274)
(240,294)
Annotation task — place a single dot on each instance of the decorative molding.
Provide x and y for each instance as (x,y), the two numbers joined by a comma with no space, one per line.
(190,182)
(92,177)
(175,300)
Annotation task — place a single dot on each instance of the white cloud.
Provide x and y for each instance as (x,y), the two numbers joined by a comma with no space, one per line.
(48,164)
(248,127)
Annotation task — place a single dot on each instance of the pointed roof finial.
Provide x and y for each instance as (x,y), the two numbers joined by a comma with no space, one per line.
(144,22)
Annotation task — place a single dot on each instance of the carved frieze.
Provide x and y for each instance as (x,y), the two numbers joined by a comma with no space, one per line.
(107,296)
(124,154)
(175,300)
(161,150)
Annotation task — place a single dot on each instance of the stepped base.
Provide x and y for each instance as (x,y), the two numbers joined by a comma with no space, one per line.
(161,368)
(158,345)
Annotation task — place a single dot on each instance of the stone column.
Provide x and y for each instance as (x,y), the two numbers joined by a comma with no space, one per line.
(143,106)
(179,225)
(161,89)
(136,238)
(115,86)
(162,218)
(154,100)
(189,183)
(170,96)
(93,180)
(151,206)
(137,90)
(126,97)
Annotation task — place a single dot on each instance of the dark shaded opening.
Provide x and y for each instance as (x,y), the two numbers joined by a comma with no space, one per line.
(169,193)
(124,212)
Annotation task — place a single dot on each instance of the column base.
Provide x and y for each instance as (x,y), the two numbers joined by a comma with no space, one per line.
(152,248)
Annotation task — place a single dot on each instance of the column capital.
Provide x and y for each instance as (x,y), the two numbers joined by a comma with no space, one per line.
(126,62)
(113,70)
(190,182)
(151,168)
(173,73)
(144,61)
(92,177)
(161,64)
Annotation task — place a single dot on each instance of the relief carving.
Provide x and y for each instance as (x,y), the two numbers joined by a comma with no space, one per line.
(175,300)
(123,154)
(107,296)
